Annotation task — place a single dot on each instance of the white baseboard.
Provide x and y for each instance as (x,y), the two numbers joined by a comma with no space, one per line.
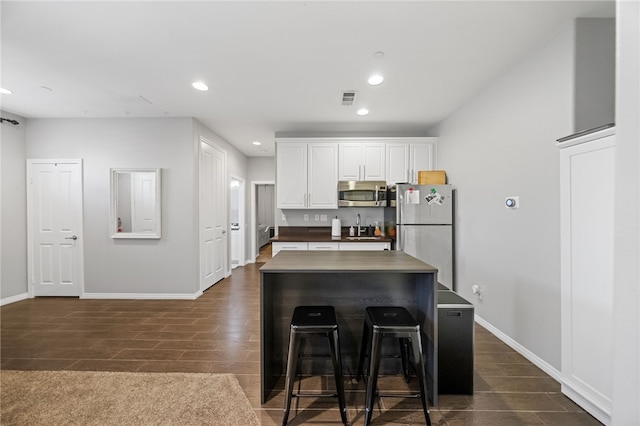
(13,299)
(533,358)
(590,406)
(145,296)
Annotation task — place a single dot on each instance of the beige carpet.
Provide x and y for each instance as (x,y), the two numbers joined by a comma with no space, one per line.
(104,398)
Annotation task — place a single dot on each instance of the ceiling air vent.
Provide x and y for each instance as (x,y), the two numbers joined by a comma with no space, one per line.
(348,97)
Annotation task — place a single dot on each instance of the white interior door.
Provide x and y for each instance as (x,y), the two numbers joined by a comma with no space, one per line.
(54,208)
(213,215)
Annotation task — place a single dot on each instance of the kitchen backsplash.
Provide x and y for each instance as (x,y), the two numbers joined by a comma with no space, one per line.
(347,216)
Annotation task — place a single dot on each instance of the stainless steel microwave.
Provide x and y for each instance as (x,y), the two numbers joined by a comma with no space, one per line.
(355,193)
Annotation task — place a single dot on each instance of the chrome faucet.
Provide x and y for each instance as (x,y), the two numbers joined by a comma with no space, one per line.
(358,223)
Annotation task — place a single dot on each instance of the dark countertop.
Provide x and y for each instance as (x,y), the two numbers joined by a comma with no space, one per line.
(300,234)
(346,261)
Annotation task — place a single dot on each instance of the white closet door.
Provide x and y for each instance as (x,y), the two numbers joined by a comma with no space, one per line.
(55,227)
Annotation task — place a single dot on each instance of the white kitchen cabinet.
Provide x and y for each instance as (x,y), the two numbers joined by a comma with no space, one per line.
(405,158)
(397,163)
(361,161)
(365,246)
(306,175)
(324,246)
(277,247)
(587,171)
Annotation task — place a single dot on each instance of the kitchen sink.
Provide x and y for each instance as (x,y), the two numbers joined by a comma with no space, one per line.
(363,238)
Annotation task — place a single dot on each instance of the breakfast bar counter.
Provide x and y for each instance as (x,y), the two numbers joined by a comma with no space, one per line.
(349,281)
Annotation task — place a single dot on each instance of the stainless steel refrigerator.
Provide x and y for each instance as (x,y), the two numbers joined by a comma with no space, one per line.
(424,227)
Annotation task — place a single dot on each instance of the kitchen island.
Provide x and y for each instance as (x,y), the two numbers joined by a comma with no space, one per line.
(349,281)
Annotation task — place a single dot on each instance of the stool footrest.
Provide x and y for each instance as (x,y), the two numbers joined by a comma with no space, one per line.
(314,395)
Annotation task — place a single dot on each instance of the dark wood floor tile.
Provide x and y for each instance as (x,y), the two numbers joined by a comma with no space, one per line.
(568,419)
(196,345)
(566,403)
(191,328)
(149,354)
(454,402)
(36,364)
(520,370)
(82,326)
(491,418)
(105,365)
(221,335)
(491,347)
(163,320)
(515,384)
(80,353)
(165,335)
(127,344)
(520,401)
(228,366)
(498,357)
(176,367)
(220,356)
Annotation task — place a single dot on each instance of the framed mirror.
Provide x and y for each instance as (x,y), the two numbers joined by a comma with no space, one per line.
(135,203)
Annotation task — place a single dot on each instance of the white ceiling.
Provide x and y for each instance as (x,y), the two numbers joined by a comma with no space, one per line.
(271,67)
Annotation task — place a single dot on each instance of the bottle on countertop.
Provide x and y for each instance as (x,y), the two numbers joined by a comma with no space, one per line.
(376,231)
(351,232)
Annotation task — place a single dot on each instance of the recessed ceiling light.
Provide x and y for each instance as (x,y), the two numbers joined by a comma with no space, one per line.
(375,79)
(363,111)
(256,143)
(198,85)
(5,91)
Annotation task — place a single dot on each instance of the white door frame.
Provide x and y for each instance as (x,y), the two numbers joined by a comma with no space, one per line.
(241,218)
(254,207)
(78,243)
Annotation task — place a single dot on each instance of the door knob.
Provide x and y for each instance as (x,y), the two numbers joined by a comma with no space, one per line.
(73,237)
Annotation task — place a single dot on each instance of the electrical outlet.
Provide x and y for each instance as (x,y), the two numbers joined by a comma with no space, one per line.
(306,218)
(477,290)
(317,217)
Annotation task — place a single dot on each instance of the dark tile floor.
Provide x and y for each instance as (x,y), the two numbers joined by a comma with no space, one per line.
(220,333)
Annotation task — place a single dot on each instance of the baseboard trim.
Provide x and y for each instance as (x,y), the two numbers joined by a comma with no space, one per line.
(590,406)
(13,299)
(533,358)
(145,296)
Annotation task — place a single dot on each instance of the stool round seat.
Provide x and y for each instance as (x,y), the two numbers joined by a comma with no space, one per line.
(390,322)
(314,320)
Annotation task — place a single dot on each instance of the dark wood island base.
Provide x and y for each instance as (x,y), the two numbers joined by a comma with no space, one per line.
(350,281)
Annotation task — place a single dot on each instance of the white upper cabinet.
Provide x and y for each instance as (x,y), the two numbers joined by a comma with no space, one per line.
(306,175)
(322,183)
(405,158)
(397,163)
(361,161)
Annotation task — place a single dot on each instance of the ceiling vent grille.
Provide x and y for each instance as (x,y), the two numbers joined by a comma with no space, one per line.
(348,97)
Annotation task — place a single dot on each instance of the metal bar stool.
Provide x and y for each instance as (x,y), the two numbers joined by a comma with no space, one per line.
(390,322)
(308,320)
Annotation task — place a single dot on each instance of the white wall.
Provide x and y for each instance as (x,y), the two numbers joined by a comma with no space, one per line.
(502,143)
(626,377)
(595,73)
(13,228)
(166,266)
